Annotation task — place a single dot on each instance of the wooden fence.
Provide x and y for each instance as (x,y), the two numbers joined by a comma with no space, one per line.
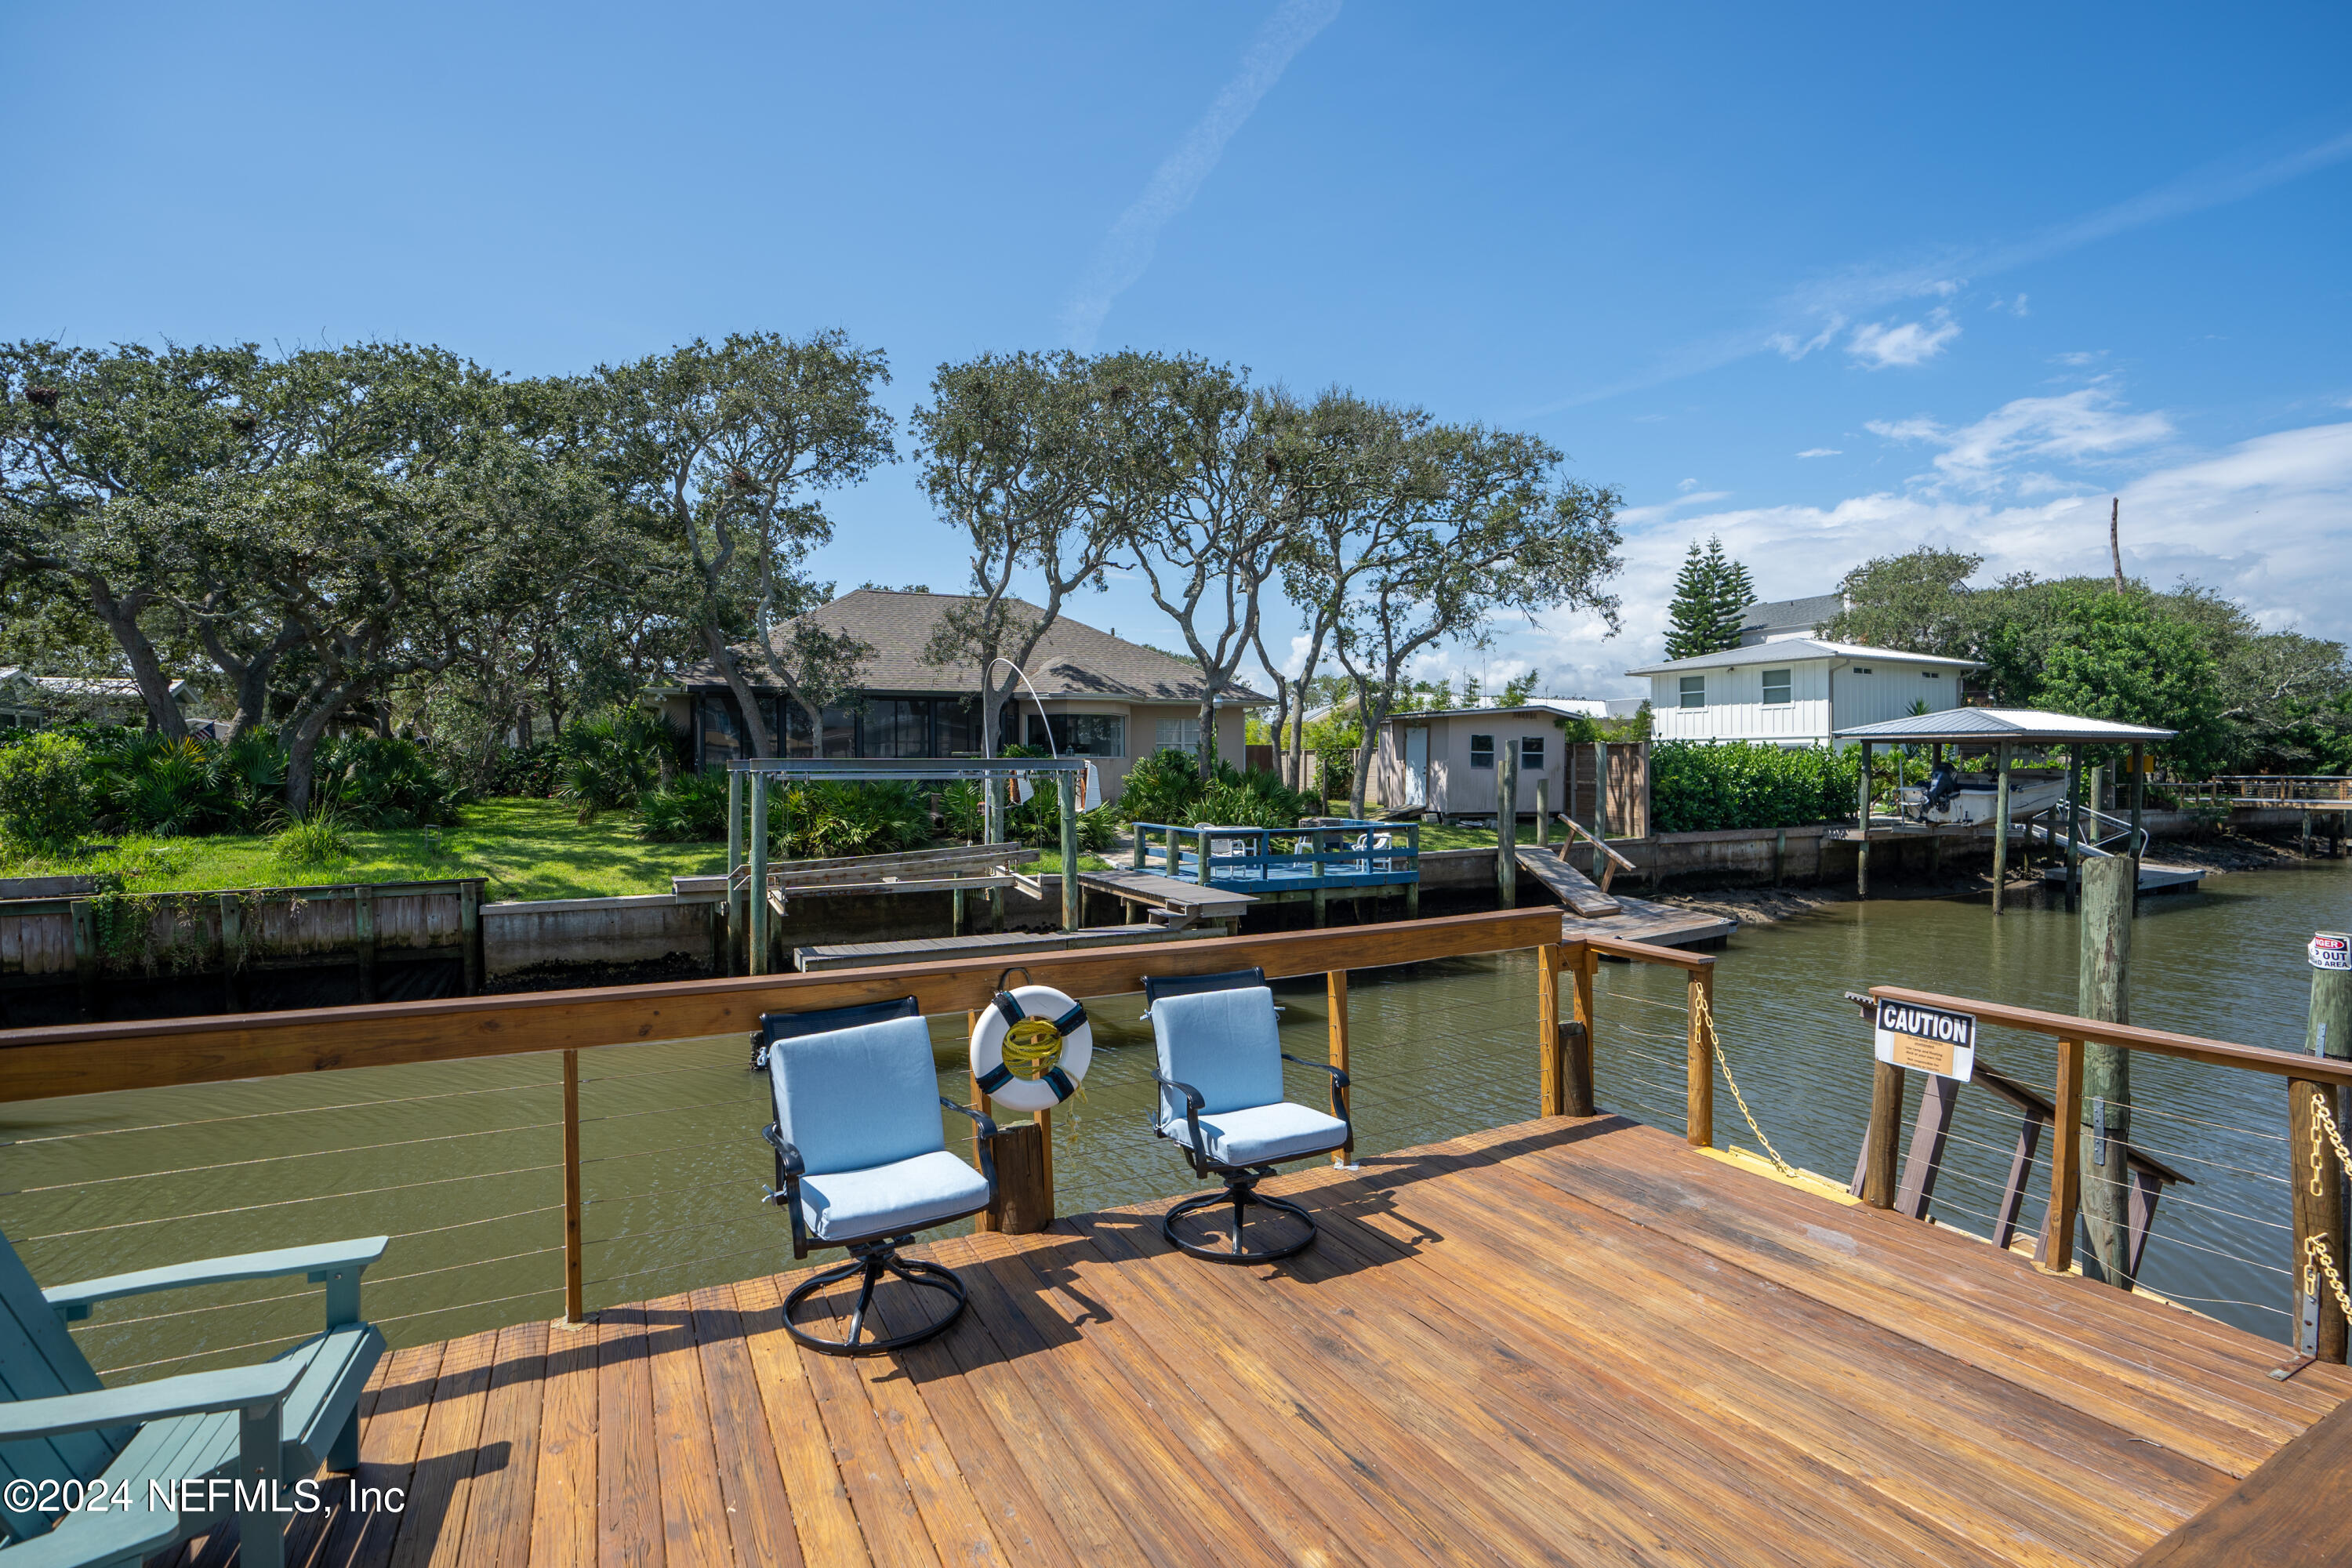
(98,1059)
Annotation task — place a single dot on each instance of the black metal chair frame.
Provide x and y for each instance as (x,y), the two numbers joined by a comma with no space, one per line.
(876,1253)
(1240,1181)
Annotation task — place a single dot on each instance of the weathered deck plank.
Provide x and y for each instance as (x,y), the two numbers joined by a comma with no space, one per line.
(1567,1341)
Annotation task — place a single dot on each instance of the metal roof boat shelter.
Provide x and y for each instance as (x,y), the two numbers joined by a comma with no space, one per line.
(2006,731)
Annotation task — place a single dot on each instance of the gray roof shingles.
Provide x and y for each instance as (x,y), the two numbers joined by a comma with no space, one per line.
(1076,661)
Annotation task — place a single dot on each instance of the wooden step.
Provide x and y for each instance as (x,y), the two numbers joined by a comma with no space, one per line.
(1571,887)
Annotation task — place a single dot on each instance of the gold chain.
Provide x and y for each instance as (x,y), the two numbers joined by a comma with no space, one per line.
(1715,1041)
(2315,1247)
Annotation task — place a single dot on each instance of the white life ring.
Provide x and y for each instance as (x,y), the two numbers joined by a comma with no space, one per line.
(1051,1044)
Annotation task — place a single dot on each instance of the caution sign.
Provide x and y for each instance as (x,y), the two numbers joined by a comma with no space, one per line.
(2331,950)
(1925,1039)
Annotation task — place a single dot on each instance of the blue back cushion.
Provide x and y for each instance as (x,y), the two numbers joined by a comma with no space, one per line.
(1222,1043)
(853,1099)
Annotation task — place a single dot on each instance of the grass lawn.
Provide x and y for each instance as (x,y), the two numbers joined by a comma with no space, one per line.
(1049,863)
(528,850)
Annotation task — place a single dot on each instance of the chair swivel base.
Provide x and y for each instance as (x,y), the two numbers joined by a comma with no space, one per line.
(1243,1196)
(873,1259)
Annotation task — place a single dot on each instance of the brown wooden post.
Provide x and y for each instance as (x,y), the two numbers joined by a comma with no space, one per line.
(986,1219)
(1507,824)
(1550,1071)
(2318,1188)
(2065,1162)
(363,937)
(2103,991)
(1878,1142)
(1576,1096)
(1543,814)
(1999,823)
(1335,996)
(1862,845)
(571,1303)
(1700,1067)
(232,941)
(470,933)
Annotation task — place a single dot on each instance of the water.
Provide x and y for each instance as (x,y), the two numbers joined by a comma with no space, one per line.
(461,1162)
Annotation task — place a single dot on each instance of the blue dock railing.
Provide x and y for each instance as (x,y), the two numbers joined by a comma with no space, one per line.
(1328,856)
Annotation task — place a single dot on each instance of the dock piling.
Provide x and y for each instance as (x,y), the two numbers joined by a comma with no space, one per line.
(2065,1163)
(2103,991)
(1699,1059)
(1878,1142)
(1999,823)
(2328,1033)
(1862,826)
(1576,1092)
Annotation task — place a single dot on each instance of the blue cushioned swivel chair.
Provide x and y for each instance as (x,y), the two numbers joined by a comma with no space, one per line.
(861,1161)
(1220,1101)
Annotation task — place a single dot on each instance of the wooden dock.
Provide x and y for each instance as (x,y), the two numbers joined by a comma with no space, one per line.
(1565,1341)
(1660,925)
(1576,892)
(1187,901)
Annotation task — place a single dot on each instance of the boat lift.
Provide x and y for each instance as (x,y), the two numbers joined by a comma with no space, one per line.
(2005,731)
(747,854)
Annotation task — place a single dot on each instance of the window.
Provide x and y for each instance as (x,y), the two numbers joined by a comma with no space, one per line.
(1693,692)
(1084,734)
(1531,749)
(896,727)
(1933,674)
(720,730)
(1177,735)
(1860,670)
(956,726)
(840,732)
(1776,689)
(1482,751)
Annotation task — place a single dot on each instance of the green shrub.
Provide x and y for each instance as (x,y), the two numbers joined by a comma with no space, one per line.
(608,763)
(1697,786)
(1161,787)
(45,797)
(693,809)
(1165,788)
(318,841)
(384,781)
(819,821)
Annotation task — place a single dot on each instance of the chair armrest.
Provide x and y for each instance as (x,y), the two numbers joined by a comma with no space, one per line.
(1339,1074)
(191,1393)
(1194,1102)
(790,1167)
(986,1122)
(1338,1093)
(321,1262)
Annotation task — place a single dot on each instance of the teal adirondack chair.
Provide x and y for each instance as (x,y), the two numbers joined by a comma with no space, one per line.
(273,1421)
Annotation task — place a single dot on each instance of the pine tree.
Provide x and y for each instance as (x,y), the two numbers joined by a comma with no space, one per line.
(1691,619)
(1734,592)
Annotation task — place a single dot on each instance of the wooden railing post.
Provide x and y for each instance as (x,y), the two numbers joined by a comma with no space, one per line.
(1551,1072)
(2065,1162)
(1065,796)
(1877,1182)
(2318,1214)
(1507,824)
(571,1305)
(987,1218)
(1335,993)
(1576,1098)
(1700,1072)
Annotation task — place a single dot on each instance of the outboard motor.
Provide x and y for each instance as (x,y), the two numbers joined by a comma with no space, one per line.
(1943,787)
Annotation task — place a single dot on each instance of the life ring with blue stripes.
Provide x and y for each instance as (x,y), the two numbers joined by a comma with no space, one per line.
(1030,1047)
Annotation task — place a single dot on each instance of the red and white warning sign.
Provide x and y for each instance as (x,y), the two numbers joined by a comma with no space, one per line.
(2331,950)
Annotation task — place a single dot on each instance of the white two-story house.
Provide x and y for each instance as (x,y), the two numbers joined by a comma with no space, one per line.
(1794,691)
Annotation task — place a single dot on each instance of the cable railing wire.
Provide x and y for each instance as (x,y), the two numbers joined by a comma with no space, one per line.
(264,1115)
(290,1202)
(276,1159)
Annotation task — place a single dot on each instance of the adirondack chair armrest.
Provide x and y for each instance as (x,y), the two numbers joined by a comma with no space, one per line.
(334,1264)
(191,1393)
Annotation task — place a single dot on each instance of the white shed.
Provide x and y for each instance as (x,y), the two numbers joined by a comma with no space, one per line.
(1796,692)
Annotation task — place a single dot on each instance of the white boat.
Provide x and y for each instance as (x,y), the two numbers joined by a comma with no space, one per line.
(2029,790)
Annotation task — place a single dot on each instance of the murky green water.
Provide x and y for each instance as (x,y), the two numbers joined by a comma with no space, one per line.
(460,1163)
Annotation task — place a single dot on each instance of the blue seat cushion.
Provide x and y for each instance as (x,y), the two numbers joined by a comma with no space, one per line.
(850,1099)
(1223,1043)
(906,1195)
(1262,1134)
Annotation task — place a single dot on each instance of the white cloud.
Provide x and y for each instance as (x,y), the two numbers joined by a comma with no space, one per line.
(1634,516)
(2078,426)
(2251,521)
(1127,250)
(1687,485)
(1882,344)
(1822,452)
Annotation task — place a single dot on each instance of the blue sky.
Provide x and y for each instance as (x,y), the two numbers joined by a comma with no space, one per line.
(1830,282)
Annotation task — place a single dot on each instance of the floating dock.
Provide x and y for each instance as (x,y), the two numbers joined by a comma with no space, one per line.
(1572,1341)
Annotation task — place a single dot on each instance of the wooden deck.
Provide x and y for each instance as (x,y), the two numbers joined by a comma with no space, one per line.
(1567,1341)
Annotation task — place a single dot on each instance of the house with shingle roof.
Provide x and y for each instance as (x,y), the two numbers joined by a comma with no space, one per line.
(1096,694)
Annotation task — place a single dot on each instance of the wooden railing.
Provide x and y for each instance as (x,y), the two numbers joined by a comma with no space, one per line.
(2311,1081)
(1334,854)
(98,1058)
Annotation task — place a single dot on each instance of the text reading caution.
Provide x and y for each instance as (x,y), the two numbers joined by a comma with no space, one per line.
(1927,1039)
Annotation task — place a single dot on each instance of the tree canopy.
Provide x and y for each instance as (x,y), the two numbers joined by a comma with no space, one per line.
(1712,592)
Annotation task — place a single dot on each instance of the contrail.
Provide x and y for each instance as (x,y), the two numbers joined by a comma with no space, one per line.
(1807,317)
(1126,251)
